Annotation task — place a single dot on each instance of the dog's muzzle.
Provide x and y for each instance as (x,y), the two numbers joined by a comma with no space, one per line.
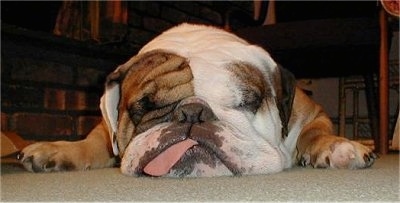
(187,146)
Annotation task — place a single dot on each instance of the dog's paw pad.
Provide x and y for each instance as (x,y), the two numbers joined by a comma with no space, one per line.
(342,154)
(351,155)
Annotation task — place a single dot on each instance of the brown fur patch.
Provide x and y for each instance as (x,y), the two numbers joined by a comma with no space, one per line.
(151,86)
(251,83)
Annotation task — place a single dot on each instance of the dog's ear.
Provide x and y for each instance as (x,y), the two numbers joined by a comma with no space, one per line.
(109,104)
(110,101)
(285,97)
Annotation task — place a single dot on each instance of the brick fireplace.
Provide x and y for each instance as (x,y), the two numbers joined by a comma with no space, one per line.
(51,86)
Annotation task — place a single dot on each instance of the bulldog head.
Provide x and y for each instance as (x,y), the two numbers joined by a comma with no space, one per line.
(192,106)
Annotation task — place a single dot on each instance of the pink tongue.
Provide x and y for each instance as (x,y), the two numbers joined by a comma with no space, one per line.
(163,162)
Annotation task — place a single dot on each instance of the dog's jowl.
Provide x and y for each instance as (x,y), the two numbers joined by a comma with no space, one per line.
(200,101)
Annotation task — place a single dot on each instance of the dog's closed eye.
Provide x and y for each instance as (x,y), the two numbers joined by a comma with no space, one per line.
(250,82)
(139,108)
(251,100)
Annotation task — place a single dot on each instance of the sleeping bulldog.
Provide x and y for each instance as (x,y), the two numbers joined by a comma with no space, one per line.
(199,101)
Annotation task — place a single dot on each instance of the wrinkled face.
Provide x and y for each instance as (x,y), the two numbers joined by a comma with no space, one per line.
(177,119)
(199,101)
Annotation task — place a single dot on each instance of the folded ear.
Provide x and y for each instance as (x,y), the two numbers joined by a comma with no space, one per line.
(109,106)
(285,96)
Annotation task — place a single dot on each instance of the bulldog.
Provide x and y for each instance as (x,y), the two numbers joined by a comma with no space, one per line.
(199,101)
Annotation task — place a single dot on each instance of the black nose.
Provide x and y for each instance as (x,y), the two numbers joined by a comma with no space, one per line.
(193,113)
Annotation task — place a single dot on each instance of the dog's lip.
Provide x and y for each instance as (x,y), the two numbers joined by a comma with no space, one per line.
(218,153)
(211,148)
(205,144)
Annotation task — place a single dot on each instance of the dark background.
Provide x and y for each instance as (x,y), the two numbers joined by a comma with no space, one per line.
(34,15)
(41,15)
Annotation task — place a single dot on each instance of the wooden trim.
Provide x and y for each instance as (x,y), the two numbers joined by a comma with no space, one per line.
(383,84)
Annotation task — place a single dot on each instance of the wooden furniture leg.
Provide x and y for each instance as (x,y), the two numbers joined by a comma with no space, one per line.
(383,85)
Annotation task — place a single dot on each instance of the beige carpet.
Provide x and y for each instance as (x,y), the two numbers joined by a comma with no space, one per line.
(379,183)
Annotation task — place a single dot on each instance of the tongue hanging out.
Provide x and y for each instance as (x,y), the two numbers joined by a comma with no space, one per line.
(162,164)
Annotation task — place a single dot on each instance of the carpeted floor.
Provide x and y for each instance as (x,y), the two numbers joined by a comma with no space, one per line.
(379,183)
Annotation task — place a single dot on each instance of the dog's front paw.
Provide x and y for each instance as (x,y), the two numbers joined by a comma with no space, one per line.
(339,153)
(46,157)
(350,154)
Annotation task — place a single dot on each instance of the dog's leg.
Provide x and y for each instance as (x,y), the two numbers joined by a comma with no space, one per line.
(317,146)
(93,152)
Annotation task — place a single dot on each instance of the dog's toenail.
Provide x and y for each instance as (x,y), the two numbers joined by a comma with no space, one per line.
(20,156)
